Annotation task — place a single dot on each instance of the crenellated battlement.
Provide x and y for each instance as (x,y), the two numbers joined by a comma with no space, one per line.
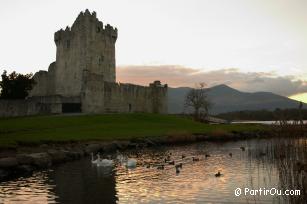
(89,23)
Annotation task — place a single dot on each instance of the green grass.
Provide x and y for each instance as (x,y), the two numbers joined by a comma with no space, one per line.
(43,129)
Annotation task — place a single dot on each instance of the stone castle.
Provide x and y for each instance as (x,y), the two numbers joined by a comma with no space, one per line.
(83,77)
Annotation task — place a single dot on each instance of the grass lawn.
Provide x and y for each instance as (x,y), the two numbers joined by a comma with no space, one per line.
(57,128)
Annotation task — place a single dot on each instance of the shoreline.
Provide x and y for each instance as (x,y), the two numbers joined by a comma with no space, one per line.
(24,160)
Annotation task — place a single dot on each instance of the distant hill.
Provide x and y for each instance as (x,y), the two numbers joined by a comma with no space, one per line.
(227,99)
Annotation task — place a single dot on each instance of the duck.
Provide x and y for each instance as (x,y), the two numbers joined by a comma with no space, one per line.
(171,163)
(168,158)
(179,165)
(177,170)
(161,167)
(242,148)
(195,158)
(230,154)
(218,174)
(207,155)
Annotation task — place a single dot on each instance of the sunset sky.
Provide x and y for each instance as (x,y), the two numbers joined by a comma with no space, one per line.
(251,45)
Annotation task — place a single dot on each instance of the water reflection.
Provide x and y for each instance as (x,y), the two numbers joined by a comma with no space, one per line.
(263,164)
(82,182)
(28,190)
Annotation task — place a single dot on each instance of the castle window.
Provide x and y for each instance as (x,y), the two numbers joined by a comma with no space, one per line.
(98,29)
(100,59)
(67,43)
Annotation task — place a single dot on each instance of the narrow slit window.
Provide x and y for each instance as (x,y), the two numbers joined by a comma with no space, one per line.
(100,59)
(68,44)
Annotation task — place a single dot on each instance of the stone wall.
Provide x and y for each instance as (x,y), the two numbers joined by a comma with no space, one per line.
(99,96)
(92,93)
(45,82)
(11,108)
(14,108)
(40,105)
(120,97)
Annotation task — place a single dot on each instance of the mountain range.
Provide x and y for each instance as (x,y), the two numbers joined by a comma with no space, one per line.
(227,99)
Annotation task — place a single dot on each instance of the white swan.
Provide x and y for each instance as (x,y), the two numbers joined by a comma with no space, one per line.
(105,162)
(131,163)
(121,158)
(94,161)
(125,161)
(101,162)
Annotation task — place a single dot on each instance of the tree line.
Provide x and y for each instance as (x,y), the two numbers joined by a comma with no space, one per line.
(15,85)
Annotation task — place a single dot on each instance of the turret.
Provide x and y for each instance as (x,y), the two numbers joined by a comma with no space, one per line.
(87,45)
(87,21)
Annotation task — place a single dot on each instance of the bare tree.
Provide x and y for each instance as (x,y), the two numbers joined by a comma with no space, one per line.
(198,100)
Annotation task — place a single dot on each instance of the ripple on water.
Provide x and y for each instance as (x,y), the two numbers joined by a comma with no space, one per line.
(33,189)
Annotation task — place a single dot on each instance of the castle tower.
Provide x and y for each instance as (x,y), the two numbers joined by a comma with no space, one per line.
(86,46)
(82,79)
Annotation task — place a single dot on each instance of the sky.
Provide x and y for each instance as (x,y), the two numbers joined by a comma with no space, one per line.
(251,45)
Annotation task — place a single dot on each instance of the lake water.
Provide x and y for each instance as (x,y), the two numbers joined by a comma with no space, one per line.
(266,164)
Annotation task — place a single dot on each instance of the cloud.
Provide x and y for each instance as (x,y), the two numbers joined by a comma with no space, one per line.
(179,76)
